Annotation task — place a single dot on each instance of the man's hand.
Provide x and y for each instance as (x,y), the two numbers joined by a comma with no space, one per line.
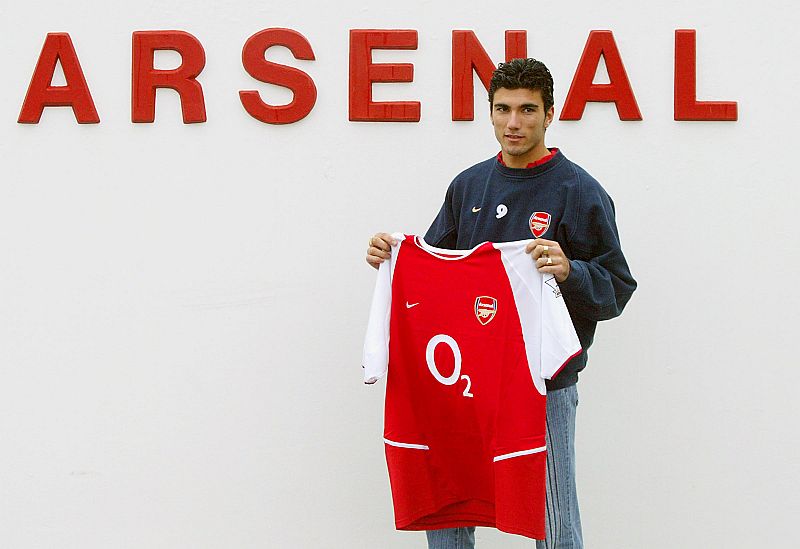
(549,258)
(379,248)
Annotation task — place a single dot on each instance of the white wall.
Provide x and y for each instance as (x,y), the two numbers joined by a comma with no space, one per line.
(183,306)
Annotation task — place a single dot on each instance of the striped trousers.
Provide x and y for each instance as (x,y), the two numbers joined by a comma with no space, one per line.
(563,524)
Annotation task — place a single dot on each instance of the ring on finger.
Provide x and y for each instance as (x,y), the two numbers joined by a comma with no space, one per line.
(546,251)
(549,260)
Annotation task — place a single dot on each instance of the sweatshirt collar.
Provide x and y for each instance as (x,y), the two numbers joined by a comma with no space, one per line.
(539,162)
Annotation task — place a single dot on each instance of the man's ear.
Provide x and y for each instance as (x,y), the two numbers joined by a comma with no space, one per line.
(548,117)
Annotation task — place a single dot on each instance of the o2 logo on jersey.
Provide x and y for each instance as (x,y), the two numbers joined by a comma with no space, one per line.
(431,360)
(485,309)
(539,223)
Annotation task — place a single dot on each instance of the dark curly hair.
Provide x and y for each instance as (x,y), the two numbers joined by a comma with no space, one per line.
(523,73)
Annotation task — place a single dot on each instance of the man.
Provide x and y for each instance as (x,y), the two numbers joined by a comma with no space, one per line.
(529,190)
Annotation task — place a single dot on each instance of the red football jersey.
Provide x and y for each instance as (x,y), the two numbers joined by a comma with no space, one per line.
(467,339)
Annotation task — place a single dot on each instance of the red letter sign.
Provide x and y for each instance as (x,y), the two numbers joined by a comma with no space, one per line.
(302,86)
(584,90)
(468,56)
(687,107)
(58,47)
(183,79)
(363,72)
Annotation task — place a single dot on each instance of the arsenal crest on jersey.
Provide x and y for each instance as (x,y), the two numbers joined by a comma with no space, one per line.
(485,309)
(539,222)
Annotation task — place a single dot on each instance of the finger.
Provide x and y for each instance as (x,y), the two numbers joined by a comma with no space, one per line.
(544,242)
(548,262)
(560,270)
(378,244)
(552,249)
(378,253)
(539,243)
(376,257)
(539,251)
(556,271)
(384,238)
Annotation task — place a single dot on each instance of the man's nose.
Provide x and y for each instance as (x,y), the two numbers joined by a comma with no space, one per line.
(513,120)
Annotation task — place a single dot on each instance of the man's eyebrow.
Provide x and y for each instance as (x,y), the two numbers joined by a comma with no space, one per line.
(523,106)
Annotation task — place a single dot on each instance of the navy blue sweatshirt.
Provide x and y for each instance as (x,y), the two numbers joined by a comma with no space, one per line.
(495,203)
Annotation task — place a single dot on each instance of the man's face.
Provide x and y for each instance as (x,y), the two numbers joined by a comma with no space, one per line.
(519,121)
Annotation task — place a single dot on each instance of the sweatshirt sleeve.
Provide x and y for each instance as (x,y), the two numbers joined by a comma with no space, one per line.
(599,283)
(443,231)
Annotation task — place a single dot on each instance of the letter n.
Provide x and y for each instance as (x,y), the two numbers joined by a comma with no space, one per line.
(469,56)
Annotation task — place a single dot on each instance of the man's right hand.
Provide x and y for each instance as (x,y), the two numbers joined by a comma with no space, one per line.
(379,249)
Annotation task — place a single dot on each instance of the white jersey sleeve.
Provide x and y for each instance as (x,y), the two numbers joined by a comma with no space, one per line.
(550,338)
(375,358)
(559,341)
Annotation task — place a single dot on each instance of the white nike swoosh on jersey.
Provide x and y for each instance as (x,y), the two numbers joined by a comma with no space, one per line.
(475,210)
(409,305)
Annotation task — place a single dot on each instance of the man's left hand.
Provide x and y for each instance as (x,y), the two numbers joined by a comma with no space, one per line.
(549,258)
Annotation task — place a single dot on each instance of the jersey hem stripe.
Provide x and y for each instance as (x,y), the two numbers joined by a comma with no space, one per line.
(406,445)
(520,453)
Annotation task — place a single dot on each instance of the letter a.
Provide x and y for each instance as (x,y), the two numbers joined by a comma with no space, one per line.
(58,47)
(583,90)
